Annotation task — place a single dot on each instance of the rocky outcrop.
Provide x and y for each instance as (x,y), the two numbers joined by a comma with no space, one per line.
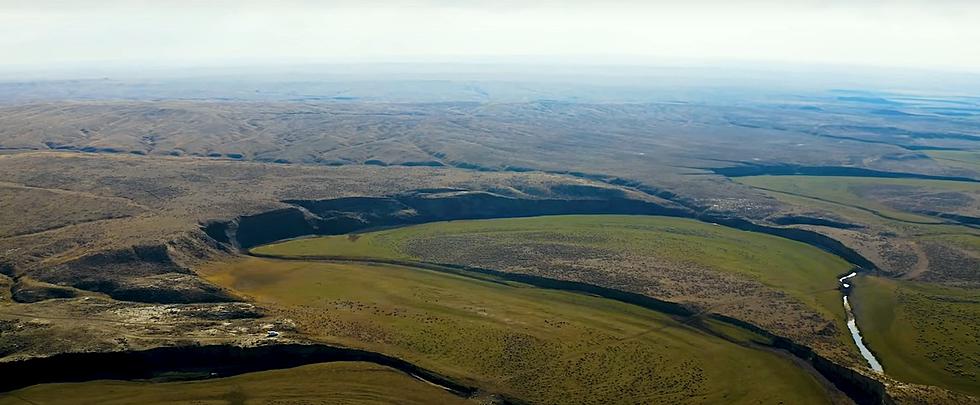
(138,273)
(273,225)
(809,220)
(29,290)
(800,235)
(751,169)
(345,215)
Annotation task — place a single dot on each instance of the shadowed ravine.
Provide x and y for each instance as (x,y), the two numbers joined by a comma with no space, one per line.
(199,362)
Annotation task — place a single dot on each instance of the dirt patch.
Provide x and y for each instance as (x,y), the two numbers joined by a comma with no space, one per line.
(951,265)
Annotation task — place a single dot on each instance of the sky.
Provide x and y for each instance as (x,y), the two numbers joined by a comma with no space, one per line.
(920,34)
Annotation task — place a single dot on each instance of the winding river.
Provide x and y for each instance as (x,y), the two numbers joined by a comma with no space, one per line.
(852,326)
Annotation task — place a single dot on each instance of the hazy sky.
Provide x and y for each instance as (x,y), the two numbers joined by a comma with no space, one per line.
(911,33)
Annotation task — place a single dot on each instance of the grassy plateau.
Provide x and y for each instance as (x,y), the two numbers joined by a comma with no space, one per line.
(672,258)
(533,344)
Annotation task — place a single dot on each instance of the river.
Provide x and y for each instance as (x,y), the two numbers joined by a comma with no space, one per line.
(855,332)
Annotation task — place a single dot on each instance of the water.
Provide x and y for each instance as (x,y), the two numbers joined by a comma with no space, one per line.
(855,332)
